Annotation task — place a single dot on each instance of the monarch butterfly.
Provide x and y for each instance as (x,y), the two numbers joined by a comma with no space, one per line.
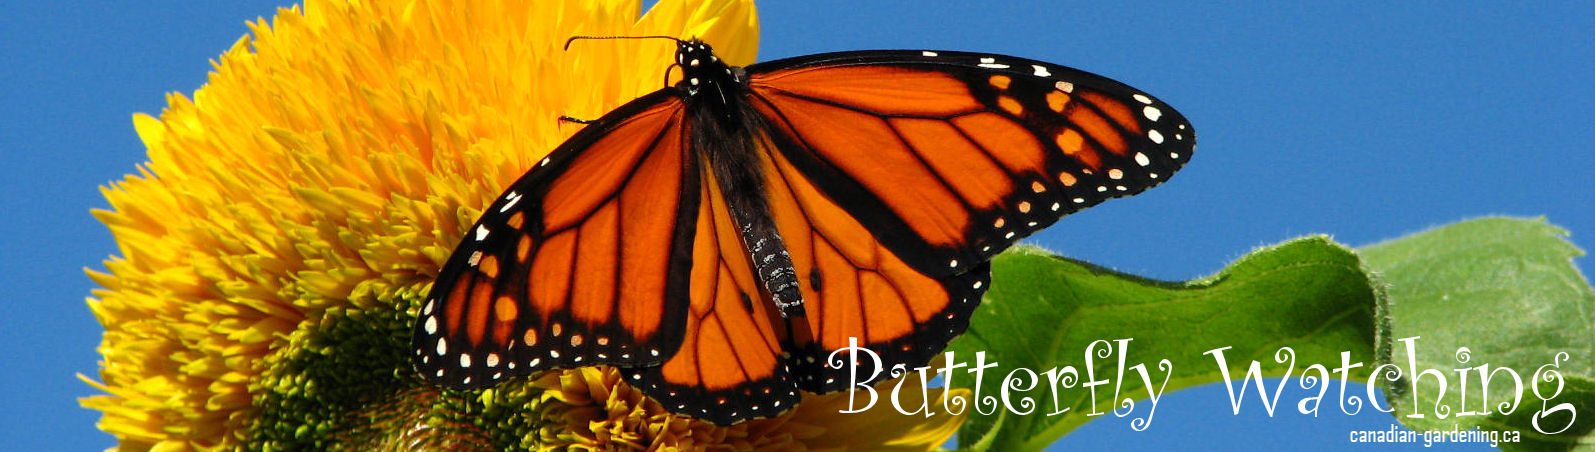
(717,239)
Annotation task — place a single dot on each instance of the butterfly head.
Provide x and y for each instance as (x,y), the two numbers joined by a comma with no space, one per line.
(702,71)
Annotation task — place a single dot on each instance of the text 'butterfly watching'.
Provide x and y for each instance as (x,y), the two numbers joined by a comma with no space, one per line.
(717,239)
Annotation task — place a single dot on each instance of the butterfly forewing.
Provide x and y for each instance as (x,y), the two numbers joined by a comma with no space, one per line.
(950,157)
(580,262)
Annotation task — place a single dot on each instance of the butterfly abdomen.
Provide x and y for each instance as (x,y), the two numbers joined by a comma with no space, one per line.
(725,134)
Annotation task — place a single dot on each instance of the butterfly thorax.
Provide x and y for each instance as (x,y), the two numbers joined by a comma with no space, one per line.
(705,78)
(725,130)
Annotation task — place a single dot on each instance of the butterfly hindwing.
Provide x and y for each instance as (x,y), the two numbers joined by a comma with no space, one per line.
(582,261)
(732,364)
(857,291)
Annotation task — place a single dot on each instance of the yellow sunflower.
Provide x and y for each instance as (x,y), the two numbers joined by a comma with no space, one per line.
(293,213)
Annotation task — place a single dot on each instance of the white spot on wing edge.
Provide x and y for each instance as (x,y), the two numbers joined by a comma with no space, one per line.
(1156,136)
(991,63)
(928,53)
(1152,113)
(1141,159)
(481,232)
(1142,99)
(1041,71)
(476,257)
(514,197)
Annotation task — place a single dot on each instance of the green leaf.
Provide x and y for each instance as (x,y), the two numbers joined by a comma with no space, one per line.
(1045,311)
(1506,290)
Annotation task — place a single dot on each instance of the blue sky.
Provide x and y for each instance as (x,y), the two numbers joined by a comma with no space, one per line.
(1363,122)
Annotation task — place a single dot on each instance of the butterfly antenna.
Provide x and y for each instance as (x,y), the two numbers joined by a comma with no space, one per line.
(672,66)
(574,38)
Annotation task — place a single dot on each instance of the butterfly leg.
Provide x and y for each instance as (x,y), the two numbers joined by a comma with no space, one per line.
(563,118)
